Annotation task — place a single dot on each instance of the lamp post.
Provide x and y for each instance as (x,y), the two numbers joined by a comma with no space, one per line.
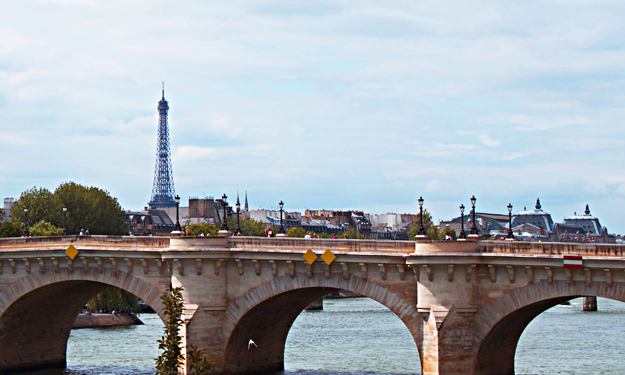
(462,234)
(224,225)
(237,230)
(473,226)
(64,222)
(177,225)
(421,229)
(510,235)
(281,230)
(25,233)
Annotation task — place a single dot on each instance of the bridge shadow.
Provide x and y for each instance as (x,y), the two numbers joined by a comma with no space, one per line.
(267,313)
(38,314)
(511,315)
(575,341)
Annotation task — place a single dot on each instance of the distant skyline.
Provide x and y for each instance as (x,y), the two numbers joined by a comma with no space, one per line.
(323,104)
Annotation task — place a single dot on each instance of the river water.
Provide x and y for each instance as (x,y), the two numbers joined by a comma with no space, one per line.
(361,337)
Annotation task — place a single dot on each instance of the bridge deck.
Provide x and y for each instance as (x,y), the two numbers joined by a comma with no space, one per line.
(287,244)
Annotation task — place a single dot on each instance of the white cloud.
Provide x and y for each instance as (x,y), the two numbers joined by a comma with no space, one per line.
(433,186)
(282,97)
(595,189)
(535,123)
(514,155)
(190,153)
(442,150)
(485,139)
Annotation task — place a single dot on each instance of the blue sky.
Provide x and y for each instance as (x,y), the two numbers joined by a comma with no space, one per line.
(322,104)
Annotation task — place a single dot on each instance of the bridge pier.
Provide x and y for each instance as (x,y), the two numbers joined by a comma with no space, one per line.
(447,343)
(590,303)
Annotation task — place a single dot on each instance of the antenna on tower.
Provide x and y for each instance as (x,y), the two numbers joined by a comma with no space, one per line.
(163,90)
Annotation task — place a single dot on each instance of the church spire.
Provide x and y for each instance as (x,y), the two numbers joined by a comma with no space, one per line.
(246,207)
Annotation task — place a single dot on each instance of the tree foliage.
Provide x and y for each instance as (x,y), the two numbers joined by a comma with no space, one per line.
(11,229)
(43,228)
(427,224)
(249,227)
(352,233)
(449,231)
(432,231)
(88,208)
(206,228)
(199,364)
(171,359)
(113,298)
(296,232)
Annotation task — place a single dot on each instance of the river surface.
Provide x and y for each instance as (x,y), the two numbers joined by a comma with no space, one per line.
(361,337)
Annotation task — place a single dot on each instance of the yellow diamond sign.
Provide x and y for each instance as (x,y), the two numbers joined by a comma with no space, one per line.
(310,257)
(328,257)
(71,252)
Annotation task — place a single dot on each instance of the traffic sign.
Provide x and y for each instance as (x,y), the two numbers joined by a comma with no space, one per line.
(573,262)
(71,252)
(310,257)
(328,257)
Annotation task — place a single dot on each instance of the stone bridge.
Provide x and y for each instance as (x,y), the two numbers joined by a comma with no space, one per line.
(465,303)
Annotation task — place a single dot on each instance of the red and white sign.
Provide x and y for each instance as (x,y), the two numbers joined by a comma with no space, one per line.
(573,262)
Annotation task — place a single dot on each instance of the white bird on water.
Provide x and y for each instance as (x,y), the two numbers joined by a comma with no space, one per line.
(250,344)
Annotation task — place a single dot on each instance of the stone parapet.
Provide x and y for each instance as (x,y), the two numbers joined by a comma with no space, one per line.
(551,248)
(356,246)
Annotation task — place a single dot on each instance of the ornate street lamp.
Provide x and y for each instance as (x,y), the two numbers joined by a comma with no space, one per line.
(177,225)
(64,222)
(462,234)
(281,230)
(510,235)
(473,227)
(237,230)
(25,233)
(421,229)
(224,225)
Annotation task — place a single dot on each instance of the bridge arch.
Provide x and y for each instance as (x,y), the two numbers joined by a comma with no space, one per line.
(265,314)
(37,313)
(499,325)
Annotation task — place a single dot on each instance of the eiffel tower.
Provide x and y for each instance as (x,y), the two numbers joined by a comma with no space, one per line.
(163,190)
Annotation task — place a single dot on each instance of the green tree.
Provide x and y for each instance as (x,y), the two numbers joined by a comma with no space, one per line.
(449,231)
(427,224)
(43,228)
(172,358)
(41,205)
(296,232)
(434,233)
(88,208)
(249,227)
(352,233)
(11,229)
(199,364)
(206,228)
(113,298)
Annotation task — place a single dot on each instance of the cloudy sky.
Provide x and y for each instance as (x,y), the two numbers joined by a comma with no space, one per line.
(322,104)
